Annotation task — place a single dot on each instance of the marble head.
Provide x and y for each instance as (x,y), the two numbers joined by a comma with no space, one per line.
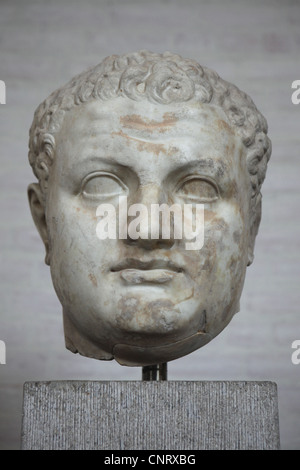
(147,130)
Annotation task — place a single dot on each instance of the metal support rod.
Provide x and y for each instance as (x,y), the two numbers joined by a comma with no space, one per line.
(155,372)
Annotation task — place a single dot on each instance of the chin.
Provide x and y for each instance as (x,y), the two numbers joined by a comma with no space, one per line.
(163,351)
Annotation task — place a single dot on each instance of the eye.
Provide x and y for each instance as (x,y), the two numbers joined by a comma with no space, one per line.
(195,188)
(102,185)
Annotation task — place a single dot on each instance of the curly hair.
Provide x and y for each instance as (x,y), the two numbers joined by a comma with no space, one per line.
(160,78)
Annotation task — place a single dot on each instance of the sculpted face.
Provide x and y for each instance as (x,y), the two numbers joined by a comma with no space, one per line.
(147,300)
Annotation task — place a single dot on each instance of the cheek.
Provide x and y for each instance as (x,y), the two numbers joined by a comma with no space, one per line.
(228,258)
(71,229)
(74,246)
(76,261)
(219,268)
(228,225)
(225,241)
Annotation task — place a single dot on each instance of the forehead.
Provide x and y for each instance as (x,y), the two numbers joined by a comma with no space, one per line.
(153,140)
(146,120)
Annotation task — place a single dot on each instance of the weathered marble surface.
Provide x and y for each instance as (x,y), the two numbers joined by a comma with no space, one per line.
(148,202)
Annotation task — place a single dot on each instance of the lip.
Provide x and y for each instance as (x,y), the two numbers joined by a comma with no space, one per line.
(155,271)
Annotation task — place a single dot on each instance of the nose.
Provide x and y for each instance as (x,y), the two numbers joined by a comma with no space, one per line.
(144,227)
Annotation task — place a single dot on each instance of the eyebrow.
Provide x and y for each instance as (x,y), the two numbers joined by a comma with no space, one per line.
(217,168)
(96,159)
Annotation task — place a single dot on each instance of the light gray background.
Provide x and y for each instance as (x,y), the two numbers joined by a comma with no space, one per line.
(253,44)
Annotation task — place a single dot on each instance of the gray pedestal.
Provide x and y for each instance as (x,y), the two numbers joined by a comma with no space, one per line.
(150,415)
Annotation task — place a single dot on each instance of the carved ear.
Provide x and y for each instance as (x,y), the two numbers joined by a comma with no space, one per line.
(35,197)
(255,221)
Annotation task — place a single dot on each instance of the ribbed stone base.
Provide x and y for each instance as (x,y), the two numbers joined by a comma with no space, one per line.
(135,415)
